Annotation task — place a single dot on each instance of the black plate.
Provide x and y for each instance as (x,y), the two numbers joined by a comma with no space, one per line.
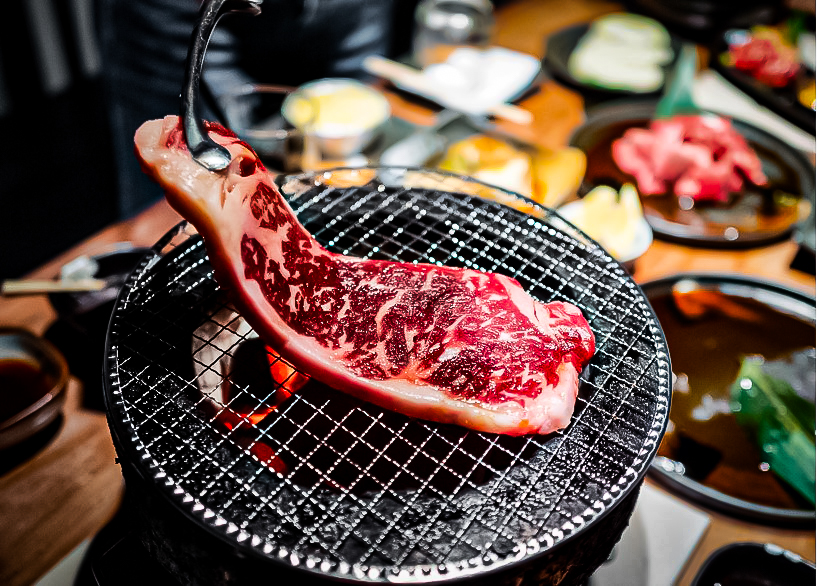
(372,495)
(754,564)
(738,224)
(710,468)
(561,44)
(781,101)
(699,20)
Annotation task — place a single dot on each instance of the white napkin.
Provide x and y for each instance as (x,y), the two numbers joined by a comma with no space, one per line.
(664,531)
(473,80)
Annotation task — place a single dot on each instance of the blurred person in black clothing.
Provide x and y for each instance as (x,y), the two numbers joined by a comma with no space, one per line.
(144,47)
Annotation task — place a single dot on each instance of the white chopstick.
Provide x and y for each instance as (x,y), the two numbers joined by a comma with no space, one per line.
(34,287)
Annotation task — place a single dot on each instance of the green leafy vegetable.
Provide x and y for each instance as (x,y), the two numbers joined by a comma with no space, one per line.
(795,26)
(781,421)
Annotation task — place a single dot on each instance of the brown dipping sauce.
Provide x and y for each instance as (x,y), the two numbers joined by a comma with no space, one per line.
(22,383)
(707,345)
(745,211)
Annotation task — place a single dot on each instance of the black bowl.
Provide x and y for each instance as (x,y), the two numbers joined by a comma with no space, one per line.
(82,321)
(706,457)
(33,379)
(113,267)
(743,222)
(754,564)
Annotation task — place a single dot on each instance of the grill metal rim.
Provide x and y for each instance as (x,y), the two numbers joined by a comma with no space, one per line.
(434,572)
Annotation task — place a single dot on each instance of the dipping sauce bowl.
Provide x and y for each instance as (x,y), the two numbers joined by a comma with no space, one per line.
(33,378)
(348,115)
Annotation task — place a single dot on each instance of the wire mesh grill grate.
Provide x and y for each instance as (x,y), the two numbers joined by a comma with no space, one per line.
(265,457)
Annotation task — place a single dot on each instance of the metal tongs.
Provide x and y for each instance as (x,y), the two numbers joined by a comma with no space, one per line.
(205,151)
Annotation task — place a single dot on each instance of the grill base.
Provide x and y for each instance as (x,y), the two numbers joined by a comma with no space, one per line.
(367,495)
(195,558)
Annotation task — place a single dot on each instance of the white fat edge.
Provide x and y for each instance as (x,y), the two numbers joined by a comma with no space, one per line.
(529,307)
(178,168)
(554,405)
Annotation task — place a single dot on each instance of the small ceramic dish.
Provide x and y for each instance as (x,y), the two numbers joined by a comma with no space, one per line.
(640,244)
(83,316)
(33,378)
(345,115)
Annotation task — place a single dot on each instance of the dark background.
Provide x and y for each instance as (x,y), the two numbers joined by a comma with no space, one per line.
(58,177)
(55,163)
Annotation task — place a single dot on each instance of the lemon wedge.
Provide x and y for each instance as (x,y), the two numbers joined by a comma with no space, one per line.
(613,219)
(557,175)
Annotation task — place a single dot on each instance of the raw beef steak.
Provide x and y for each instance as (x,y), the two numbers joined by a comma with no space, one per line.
(444,344)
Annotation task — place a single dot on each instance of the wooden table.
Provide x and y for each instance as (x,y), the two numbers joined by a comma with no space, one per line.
(70,489)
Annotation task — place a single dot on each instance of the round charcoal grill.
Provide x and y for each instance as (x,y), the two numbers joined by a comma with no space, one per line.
(239,474)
